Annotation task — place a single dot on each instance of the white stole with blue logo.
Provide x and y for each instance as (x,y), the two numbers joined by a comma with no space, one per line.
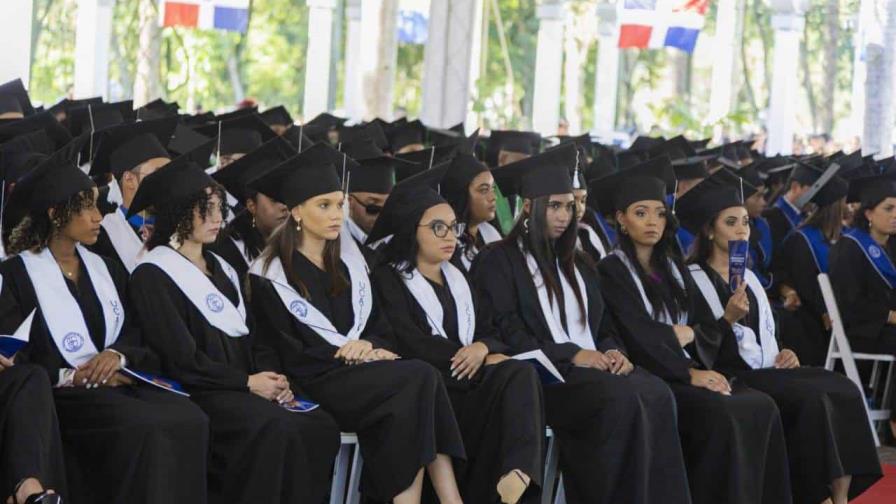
(759,352)
(305,312)
(60,309)
(217,309)
(426,297)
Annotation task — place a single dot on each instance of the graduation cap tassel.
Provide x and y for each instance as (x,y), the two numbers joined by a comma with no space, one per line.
(92,129)
(674,196)
(218,151)
(432,156)
(301,134)
(345,176)
(741,180)
(575,175)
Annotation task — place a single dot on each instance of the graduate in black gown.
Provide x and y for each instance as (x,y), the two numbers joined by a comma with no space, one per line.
(243,239)
(829,443)
(191,309)
(238,133)
(615,424)
(590,238)
(469,187)
(319,324)
(863,273)
(430,306)
(761,244)
(125,156)
(32,470)
(731,435)
(125,441)
(804,254)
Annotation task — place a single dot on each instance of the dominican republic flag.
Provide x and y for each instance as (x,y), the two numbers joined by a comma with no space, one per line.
(230,15)
(651,24)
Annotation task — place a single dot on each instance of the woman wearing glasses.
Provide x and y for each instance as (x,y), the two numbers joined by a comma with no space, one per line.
(428,301)
(319,324)
(615,425)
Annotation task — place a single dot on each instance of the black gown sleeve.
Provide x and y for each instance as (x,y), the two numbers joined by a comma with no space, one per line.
(802,273)
(161,310)
(498,290)
(130,340)
(864,310)
(651,344)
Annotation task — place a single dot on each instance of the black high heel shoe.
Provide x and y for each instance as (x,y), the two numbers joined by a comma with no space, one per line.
(43,498)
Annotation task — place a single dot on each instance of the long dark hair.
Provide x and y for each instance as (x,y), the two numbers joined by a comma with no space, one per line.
(665,250)
(530,231)
(284,241)
(37,228)
(241,228)
(176,219)
(859,220)
(829,219)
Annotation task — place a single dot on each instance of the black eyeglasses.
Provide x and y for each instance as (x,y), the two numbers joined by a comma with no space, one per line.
(440,228)
(370,209)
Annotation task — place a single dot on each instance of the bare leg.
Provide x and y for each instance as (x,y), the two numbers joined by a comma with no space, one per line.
(413,493)
(512,486)
(840,489)
(26,488)
(441,473)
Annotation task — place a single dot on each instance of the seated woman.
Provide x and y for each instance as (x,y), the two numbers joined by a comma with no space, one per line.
(804,255)
(615,425)
(497,401)
(863,272)
(590,238)
(192,313)
(32,466)
(125,442)
(829,443)
(319,324)
(731,435)
(469,188)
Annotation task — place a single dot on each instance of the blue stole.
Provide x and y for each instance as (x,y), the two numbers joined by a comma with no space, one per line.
(685,239)
(608,230)
(818,245)
(764,243)
(792,214)
(876,256)
(137,221)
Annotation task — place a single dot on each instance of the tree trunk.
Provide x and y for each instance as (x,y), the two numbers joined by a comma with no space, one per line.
(879,57)
(578,36)
(807,79)
(147,84)
(829,85)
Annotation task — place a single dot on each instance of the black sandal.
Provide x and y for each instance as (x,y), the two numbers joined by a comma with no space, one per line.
(44,498)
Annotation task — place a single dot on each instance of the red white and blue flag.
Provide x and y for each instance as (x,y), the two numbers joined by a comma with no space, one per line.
(230,15)
(652,24)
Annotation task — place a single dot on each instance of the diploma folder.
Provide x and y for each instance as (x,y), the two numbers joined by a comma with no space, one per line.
(10,345)
(546,370)
(157,381)
(301,406)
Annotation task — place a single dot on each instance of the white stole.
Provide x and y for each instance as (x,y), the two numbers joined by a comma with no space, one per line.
(356,231)
(60,309)
(125,241)
(426,297)
(593,239)
(578,325)
(489,235)
(199,289)
(241,248)
(115,195)
(305,312)
(757,353)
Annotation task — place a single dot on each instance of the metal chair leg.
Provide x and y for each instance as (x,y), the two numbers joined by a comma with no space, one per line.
(354,480)
(340,469)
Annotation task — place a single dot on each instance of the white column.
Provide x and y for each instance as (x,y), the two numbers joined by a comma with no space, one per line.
(857,103)
(788,22)
(15,39)
(352,90)
(880,61)
(724,43)
(548,67)
(317,57)
(92,36)
(448,65)
(606,82)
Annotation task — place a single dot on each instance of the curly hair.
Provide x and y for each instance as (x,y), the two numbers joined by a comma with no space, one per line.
(176,219)
(37,228)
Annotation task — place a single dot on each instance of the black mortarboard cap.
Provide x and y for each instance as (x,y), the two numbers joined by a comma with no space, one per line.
(124,147)
(236,176)
(240,135)
(697,207)
(423,160)
(300,177)
(691,167)
(871,191)
(409,200)
(171,185)
(522,142)
(410,133)
(276,115)
(539,175)
(650,180)
(14,98)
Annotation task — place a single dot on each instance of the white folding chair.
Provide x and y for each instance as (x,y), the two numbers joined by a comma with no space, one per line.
(840,349)
(552,477)
(349,442)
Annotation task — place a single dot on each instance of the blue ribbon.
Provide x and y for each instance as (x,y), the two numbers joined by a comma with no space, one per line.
(792,214)
(818,245)
(877,256)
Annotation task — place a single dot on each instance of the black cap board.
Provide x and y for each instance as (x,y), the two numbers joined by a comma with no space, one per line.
(240,135)
(539,175)
(14,98)
(124,147)
(170,185)
(650,180)
(236,176)
(299,178)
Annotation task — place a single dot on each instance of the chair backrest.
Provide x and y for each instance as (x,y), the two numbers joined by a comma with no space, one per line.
(839,342)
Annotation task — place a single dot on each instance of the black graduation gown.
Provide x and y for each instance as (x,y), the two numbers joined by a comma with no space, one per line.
(260,452)
(589,249)
(803,329)
(733,445)
(500,410)
(823,413)
(29,431)
(616,434)
(864,300)
(399,409)
(123,444)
